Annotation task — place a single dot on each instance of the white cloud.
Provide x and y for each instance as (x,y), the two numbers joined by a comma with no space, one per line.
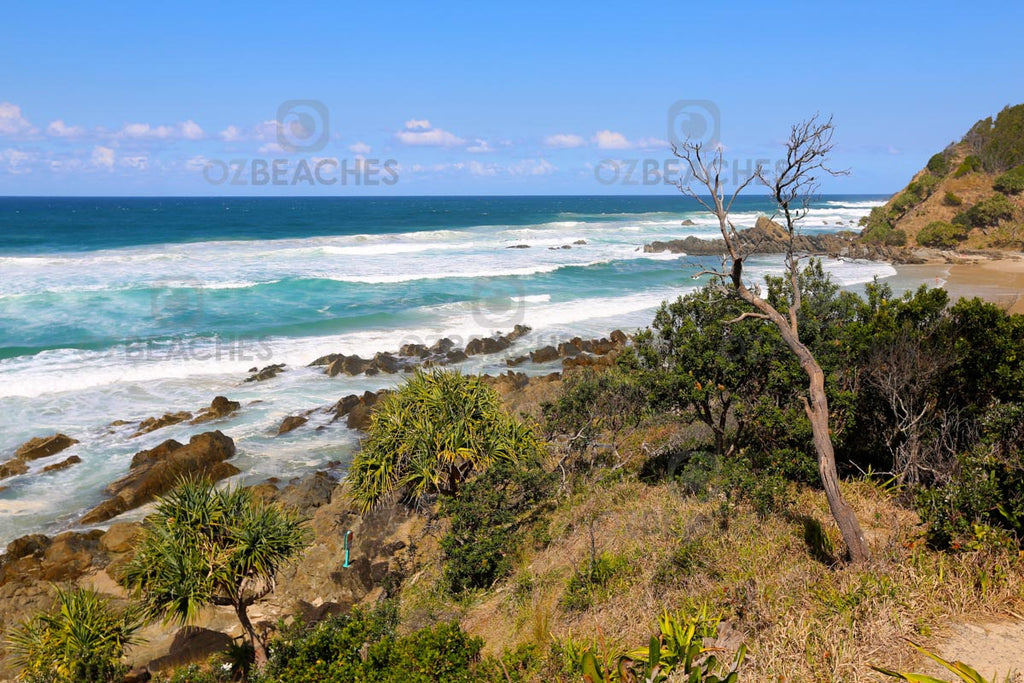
(271,148)
(564,141)
(359,148)
(187,130)
(102,157)
(532,167)
(190,130)
(16,161)
(230,134)
(606,139)
(11,120)
(652,143)
(59,129)
(483,170)
(197,163)
(418,132)
(480,147)
(139,163)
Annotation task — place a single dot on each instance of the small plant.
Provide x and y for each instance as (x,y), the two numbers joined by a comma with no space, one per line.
(951,199)
(678,648)
(963,672)
(81,641)
(431,434)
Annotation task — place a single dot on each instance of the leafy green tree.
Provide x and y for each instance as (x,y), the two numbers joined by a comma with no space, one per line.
(938,164)
(428,436)
(999,143)
(941,235)
(82,640)
(208,546)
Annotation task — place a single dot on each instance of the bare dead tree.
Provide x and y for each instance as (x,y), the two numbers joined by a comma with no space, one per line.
(792,185)
(903,374)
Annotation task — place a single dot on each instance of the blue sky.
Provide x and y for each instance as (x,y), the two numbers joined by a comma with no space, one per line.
(124,98)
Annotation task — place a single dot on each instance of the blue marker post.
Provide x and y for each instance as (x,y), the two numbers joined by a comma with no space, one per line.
(348,547)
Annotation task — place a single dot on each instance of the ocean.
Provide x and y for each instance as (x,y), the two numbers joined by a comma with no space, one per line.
(127,308)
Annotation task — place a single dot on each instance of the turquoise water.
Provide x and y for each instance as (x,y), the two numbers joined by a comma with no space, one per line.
(126,308)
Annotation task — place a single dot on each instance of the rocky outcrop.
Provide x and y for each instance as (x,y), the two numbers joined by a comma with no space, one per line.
(156,471)
(63,464)
(768,237)
(356,408)
(219,407)
(270,371)
(412,356)
(44,446)
(291,422)
(35,449)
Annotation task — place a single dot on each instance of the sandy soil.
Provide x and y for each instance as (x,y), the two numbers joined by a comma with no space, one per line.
(995,650)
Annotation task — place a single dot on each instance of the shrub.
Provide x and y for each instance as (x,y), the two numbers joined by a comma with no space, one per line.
(208,546)
(363,646)
(938,164)
(488,517)
(590,403)
(988,489)
(986,213)
(877,226)
(905,201)
(950,199)
(431,434)
(593,576)
(1011,182)
(81,640)
(970,164)
(941,235)
(896,238)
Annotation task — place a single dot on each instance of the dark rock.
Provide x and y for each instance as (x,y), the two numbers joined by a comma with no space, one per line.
(568,349)
(266,373)
(385,362)
(687,222)
(324,360)
(518,360)
(156,471)
(27,545)
(580,242)
(455,356)
(291,422)
(414,350)
(350,365)
(151,424)
(518,246)
(70,555)
(220,407)
(618,337)
(442,346)
(63,464)
(43,446)
(544,355)
(486,345)
(13,468)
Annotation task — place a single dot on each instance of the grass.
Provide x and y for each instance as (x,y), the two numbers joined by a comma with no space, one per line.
(802,619)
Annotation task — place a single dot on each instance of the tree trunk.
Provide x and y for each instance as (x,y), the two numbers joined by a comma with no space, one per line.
(258,648)
(817,413)
(816,406)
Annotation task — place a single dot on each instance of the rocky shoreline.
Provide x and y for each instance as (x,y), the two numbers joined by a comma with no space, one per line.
(92,556)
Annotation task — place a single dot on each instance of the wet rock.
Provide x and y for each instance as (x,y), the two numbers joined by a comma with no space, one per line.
(486,345)
(455,356)
(580,242)
(518,246)
(151,424)
(567,349)
(324,360)
(414,350)
(544,355)
(290,423)
(618,337)
(44,446)
(158,470)
(13,468)
(518,360)
(63,464)
(385,362)
(219,407)
(265,373)
(350,365)
(687,222)
(441,346)
(27,545)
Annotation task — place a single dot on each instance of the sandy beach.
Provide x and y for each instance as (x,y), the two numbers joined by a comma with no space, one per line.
(1000,281)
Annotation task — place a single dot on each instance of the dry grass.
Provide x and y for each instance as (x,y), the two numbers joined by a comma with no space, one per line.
(802,619)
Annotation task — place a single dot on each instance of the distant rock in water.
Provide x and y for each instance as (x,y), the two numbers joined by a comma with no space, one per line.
(518,246)
(687,222)
(156,471)
(44,446)
(768,237)
(220,407)
(63,464)
(266,373)
(291,423)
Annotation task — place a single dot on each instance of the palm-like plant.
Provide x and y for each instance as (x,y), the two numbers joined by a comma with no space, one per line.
(432,433)
(205,546)
(82,640)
